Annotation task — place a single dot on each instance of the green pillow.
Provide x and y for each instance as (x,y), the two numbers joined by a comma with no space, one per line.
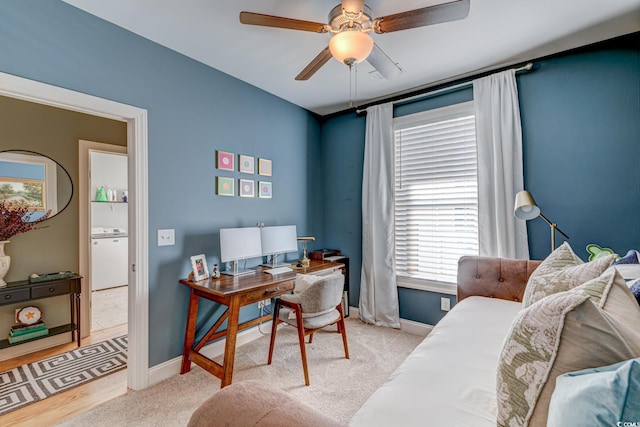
(604,396)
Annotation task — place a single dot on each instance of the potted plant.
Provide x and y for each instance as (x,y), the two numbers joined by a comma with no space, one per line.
(15,218)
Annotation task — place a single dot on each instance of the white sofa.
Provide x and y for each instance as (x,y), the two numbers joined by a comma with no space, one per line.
(449,379)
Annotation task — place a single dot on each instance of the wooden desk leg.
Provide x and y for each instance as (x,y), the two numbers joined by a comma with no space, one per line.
(190,332)
(230,341)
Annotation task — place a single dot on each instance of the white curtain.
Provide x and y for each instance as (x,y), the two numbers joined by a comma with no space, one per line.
(500,176)
(378,292)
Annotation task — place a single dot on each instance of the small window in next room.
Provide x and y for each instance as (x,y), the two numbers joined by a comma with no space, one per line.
(436,196)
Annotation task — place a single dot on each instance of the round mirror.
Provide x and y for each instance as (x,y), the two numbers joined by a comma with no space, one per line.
(35,180)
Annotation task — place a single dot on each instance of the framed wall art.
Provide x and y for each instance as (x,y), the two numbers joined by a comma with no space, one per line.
(264,167)
(246,164)
(265,189)
(224,160)
(29,192)
(247,187)
(225,186)
(199,266)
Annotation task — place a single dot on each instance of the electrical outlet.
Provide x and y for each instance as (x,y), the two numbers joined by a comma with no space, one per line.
(445,304)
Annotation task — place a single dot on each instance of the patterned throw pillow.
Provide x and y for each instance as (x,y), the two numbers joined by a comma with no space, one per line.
(561,271)
(561,333)
(610,292)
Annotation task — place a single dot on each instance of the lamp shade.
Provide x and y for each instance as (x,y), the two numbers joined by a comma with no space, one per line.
(351,47)
(526,207)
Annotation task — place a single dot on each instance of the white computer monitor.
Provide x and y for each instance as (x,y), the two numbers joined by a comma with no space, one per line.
(239,244)
(278,240)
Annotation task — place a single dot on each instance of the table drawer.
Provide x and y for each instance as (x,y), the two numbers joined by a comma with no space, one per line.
(10,297)
(271,291)
(51,290)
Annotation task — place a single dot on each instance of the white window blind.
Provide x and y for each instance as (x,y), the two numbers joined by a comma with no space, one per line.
(436,192)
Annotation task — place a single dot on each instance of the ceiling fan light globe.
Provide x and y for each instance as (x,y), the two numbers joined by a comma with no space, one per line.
(351,45)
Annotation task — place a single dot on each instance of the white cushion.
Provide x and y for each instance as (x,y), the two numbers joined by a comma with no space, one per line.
(449,379)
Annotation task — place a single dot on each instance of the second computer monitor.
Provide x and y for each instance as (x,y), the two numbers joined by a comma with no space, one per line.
(278,240)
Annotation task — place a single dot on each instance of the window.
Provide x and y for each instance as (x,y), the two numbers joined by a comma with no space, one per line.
(436,196)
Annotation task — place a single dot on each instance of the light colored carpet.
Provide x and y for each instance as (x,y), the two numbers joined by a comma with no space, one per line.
(338,386)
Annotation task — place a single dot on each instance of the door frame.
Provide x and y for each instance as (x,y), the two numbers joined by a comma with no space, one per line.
(137,149)
(85,148)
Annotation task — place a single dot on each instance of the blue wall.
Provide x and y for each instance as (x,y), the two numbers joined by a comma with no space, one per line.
(581,139)
(193,110)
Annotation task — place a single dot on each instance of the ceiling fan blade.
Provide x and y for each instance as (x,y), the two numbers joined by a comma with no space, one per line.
(251,18)
(383,64)
(315,65)
(431,15)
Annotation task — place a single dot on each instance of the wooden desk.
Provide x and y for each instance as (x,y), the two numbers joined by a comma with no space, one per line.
(234,292)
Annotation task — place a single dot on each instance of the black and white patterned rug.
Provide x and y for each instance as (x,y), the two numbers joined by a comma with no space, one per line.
(30,383)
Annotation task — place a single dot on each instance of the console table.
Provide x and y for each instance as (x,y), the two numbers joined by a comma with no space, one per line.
(23,291)
(234,292)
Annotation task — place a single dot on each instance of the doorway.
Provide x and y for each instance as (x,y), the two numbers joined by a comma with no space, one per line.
(109,225)
(137,143)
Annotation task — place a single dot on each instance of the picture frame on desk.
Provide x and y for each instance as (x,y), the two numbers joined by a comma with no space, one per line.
(199,266)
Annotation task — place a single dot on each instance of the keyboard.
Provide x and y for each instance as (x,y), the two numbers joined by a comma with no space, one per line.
(278,270)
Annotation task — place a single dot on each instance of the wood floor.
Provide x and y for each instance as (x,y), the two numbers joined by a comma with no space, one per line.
(54,409)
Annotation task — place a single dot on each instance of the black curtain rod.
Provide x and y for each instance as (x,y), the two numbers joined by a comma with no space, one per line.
(430,93)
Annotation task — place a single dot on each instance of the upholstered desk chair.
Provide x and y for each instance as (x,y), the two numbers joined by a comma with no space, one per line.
(317,306)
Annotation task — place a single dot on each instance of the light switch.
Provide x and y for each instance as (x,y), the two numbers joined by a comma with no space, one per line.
(166,237)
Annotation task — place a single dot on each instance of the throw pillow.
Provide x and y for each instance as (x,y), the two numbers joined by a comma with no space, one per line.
(597,396)
(561,333)
(630,258)
(610,292)
(635,289)
(561,271)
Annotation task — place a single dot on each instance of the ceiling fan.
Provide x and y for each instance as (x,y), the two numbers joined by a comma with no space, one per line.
(350,24)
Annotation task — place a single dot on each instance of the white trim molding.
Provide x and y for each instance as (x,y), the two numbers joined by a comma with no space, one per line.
(408,326)
(137,143)
(427,285)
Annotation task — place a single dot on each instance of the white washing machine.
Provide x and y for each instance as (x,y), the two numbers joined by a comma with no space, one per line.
(109,258)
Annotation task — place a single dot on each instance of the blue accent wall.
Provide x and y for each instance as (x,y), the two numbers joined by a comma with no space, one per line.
(193,110)
(581,144)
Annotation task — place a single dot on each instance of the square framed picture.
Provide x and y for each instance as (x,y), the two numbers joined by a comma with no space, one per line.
(264,167)
(265,189)
(225,186)
(199,266)
(246,164)
(224,161)
(247,187)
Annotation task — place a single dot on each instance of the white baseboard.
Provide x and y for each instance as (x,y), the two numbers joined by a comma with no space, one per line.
(171,367)
(409,326)
(36,345)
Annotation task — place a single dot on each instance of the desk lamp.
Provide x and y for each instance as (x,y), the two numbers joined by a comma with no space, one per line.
(304,239)
(526,208)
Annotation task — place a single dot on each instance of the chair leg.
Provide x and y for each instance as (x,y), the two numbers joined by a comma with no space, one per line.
(310,337)
(303,351)
(343,331)
(274,328)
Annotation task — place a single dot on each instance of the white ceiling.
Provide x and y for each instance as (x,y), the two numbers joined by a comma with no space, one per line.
(496,33)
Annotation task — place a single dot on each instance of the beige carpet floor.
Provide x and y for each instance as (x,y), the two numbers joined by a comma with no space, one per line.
(338,386)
